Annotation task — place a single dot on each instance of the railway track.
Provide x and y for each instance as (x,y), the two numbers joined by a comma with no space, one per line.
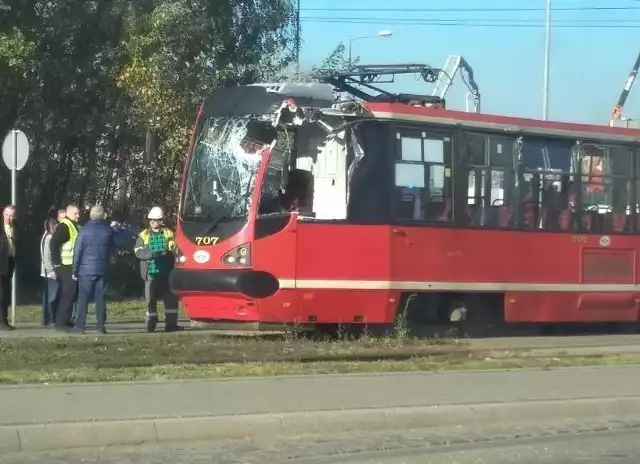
(478,331)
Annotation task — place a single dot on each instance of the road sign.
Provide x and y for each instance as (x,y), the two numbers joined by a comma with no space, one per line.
(15,153)
(15,150)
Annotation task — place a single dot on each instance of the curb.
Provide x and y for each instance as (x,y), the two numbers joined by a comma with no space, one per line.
(52,436)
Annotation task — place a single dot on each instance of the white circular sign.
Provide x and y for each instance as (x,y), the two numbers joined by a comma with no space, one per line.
(15,141)
(605,241)
(201,256)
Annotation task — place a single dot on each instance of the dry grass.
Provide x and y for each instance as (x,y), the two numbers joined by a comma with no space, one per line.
(201,355)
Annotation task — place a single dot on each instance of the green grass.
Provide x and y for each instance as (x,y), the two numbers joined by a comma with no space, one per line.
(204,355)
(197,348)
(117,310)
(261,369)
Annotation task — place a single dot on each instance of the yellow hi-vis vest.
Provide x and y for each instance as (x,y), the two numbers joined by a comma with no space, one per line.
(66,252)
(145,236)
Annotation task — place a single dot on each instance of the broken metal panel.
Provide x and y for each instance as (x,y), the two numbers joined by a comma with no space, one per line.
(330,178)
(240,125)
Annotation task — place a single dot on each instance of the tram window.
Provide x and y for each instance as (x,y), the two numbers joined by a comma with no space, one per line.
(542,154)
(548,188)
(621,160)
(547,201)
(433,150)
(501,152)
(410,175)
(488,163)
(423,176)
(475,149)
(436,179)
(606,189)
(411,149)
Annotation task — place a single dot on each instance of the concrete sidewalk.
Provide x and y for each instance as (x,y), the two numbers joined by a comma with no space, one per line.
(62,416)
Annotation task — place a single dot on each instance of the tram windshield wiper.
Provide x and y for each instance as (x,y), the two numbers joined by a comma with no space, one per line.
(224,215)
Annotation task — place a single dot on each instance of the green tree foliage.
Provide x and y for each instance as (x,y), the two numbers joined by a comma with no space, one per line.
(86,80)
(337,60)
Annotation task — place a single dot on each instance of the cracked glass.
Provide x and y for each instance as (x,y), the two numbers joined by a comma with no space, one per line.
(224,166)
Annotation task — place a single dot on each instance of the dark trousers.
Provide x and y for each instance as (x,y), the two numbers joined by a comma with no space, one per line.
(156,288)
(50,298)
(68,292)
(91,287)
(5,292)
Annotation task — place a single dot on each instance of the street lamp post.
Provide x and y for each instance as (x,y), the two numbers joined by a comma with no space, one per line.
(547,52)
(298,38)
(380,34)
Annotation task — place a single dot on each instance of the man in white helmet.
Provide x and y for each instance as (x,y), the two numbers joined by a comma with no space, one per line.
(155,249)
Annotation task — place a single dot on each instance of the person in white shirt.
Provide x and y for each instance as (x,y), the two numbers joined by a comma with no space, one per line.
(51,286)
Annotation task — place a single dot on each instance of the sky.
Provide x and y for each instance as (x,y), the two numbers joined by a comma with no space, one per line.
(594,44)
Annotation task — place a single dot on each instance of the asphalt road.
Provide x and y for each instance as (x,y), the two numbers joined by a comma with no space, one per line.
(594,443)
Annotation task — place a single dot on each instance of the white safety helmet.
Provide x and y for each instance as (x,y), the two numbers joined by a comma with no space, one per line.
(155,213)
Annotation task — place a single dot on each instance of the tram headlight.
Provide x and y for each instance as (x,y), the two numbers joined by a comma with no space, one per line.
(238,256)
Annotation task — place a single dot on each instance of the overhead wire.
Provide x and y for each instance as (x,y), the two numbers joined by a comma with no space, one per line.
(453,23)
(487,10)
(510,22)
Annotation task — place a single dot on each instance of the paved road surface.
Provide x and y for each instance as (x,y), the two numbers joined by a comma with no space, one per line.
(563,444)
(25,404)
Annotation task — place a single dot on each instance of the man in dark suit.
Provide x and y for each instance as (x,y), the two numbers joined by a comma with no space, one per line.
(91,253)
(7,263)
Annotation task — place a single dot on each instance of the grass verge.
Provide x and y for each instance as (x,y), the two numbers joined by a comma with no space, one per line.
(195,371)
(183,356)
(118,310)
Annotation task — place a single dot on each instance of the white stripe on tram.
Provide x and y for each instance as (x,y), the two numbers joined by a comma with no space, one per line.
(331,284)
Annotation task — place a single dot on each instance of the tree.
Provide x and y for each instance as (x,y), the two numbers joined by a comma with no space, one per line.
(178,52)
(86,80)
(335,61)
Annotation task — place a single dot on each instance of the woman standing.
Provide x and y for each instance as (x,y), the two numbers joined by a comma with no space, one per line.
(51,286)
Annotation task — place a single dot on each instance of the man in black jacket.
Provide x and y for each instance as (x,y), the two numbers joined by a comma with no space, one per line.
(91,256)
(7,263)
(62,246)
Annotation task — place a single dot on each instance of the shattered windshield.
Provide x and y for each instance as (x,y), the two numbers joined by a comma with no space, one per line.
(224,166)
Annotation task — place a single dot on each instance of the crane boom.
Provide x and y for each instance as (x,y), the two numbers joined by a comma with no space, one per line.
(617,110)
(454,64)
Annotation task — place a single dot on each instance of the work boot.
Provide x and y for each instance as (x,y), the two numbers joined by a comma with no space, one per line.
(152,322)
(171,322)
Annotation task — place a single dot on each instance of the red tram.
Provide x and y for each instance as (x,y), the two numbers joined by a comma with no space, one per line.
(298,209)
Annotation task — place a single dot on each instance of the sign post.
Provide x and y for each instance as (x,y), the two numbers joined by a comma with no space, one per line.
(15,153)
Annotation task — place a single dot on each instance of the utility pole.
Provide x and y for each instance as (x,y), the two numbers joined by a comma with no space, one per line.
(298,38)
(547,53)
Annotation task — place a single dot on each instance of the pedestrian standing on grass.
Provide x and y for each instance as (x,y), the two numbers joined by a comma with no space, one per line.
(62,246)
(96,242)
(62,214)
(51,287)
(7,263)
(155,249)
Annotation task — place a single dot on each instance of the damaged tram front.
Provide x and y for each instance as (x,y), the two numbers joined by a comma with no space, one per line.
(270,168)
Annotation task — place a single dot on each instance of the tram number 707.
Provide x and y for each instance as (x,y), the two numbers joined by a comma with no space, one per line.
(207,241)
(579,238)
